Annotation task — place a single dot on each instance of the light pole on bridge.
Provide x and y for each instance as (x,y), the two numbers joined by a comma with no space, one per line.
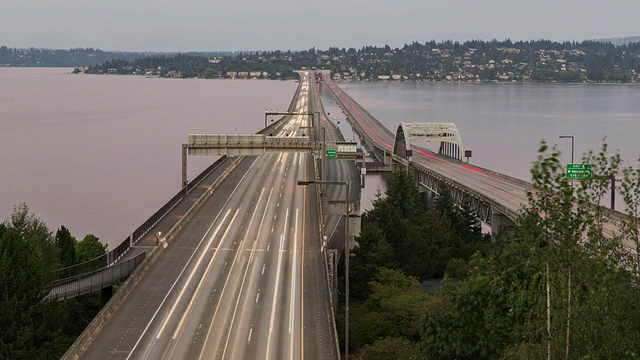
(572,139)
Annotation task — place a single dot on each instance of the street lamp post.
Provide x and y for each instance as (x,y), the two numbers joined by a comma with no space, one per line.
(568,137)
(324,154)
(347,253)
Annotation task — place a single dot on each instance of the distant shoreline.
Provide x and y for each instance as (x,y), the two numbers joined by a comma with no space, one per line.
(408,81)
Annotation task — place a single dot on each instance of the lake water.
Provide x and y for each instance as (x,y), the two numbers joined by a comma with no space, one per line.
(503,123)
(100,154)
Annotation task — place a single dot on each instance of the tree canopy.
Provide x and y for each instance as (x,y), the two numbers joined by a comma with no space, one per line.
(32,327)
(558,287)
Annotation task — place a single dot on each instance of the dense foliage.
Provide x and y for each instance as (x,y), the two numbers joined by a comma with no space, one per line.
(270,65)
(34,57)
(32,327)
(59,57)
(493,304)
(476,60)
(540,60)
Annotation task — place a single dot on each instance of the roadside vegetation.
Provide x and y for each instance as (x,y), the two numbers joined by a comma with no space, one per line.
(32,327)
(554,287)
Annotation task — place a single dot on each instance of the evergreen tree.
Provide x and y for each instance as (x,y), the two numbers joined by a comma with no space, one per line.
(27,257)
(67,246)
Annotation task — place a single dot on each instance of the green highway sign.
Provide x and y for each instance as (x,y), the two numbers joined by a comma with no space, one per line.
(331,154)
(579,171)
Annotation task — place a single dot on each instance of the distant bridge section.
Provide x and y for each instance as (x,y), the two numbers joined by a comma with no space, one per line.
(446,134)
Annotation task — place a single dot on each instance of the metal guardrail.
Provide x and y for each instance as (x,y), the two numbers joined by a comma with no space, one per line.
(59,275)
(95,280)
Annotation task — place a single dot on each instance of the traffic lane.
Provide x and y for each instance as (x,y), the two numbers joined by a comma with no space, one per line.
(235,287)
(513,196)
(164,342)
(228,319)
(264,274)
(288,345)
(319,342)
(127,323)
(261,332)
(292,183)
(216,342)
(249,334)
(343,170)
(165,329)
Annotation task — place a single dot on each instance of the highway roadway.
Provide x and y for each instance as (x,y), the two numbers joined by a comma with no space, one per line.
(244,280)
(337,170)
(509,192)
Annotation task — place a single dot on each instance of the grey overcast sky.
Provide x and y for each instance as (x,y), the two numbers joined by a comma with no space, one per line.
(206,25)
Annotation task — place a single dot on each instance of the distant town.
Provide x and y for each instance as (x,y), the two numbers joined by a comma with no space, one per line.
(474,61)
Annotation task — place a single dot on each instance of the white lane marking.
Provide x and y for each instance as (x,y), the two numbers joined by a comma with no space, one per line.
(250,332)
(198,288)
(293,275)
(292,304)
(263,266)
(275,292)
(258,296)
(246,271)
(174,284)
(190,276)
(268,246)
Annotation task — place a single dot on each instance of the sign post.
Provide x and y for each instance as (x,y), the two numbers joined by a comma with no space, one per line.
(579,171)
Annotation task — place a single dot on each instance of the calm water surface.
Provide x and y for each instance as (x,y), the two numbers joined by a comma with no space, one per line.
(100,154)
(503,123)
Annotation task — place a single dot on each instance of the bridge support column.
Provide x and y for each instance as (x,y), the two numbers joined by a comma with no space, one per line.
(355,224)
(500,222)
(427,196)
(105,295)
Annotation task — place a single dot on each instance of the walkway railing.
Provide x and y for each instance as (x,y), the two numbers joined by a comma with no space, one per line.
(94,281)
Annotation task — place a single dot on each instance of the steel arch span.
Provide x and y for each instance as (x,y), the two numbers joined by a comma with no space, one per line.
(445,133)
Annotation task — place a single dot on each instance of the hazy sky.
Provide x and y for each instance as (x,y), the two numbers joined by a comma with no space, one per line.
(201,25)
